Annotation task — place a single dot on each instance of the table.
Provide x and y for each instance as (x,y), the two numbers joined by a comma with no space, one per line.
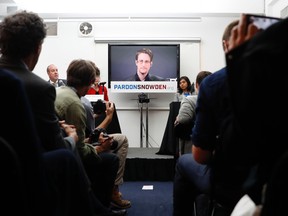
(169,144)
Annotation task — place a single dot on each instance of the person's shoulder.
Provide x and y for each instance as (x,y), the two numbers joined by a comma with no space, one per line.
(8,79)
(7,74)
(33,81)
(63,80)
(86,102)
(217,78)
(130,78)
(61,91)
(191,99)
(156,78)
(64,90)
(220,73)
(66,95)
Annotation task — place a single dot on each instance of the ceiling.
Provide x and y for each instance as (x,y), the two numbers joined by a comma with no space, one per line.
(6,1)
(70,9)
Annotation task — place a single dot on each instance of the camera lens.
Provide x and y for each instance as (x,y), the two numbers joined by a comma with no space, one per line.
(99,106)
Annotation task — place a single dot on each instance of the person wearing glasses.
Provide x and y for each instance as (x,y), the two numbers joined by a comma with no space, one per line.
(144,61)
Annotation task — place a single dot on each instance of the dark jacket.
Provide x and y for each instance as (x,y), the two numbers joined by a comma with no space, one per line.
(61,82)
(41,96)
(257,78)
(149,77)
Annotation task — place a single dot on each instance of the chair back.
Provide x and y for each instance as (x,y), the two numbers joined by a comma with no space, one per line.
(11,178)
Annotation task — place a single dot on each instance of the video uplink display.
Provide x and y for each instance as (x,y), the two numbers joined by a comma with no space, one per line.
(166,61)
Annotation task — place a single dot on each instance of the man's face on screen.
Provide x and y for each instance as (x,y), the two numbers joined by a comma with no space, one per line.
(143,64)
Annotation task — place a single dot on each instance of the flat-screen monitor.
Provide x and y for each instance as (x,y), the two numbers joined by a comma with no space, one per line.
(122,65)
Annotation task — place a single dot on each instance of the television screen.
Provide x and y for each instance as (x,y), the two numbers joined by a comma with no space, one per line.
(123,62)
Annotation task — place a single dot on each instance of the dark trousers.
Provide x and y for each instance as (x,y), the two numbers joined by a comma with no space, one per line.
(102,175)
(191,179)
(66,187)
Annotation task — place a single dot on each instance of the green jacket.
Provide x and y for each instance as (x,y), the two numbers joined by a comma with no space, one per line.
(69,107)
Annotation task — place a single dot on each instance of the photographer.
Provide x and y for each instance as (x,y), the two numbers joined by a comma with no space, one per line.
(107,108)
(101,166)
(89,127)
(121,149)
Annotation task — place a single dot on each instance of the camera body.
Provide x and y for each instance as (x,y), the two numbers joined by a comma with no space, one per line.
(261,22)
(99,106)
(94,137)
(143,98)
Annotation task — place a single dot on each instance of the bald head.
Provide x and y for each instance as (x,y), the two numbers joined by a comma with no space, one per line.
(52,71)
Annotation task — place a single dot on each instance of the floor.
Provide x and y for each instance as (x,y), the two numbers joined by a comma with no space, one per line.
(156,200)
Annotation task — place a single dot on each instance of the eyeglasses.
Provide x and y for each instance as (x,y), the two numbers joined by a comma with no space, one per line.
(144,62)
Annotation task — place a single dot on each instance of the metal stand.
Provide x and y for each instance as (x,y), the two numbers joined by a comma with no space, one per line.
(143,98)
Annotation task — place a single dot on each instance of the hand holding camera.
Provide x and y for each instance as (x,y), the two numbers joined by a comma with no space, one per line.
(101,106)
(249,25)
(102,141)
(241,33)
(109,108)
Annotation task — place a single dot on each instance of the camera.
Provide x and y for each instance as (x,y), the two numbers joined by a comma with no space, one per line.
(99,106)
(261,22)
(94,136)
(143,98)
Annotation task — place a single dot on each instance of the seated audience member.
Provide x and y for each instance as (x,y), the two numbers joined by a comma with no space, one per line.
(193,178)
(121,150)
(37,191)
(249,137)
(20,55)
(249,67)
(275,195)
(80,75)
(186,115)
(20,52)
(185,88)
(99,87)
(53,75)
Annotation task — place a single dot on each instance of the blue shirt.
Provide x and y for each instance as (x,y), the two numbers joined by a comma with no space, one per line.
(210,108)
(186,94)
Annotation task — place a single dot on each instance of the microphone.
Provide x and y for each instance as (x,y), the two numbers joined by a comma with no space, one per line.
(101,83)
(61,83)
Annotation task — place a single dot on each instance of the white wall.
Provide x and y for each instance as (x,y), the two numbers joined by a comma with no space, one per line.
(274,7)
(203,54)
(149,7)
(206,54)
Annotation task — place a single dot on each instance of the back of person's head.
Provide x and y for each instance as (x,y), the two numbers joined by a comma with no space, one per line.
(21,34)
(227,33)
(81,73)
(97,72)
(146,51)
(201,75)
